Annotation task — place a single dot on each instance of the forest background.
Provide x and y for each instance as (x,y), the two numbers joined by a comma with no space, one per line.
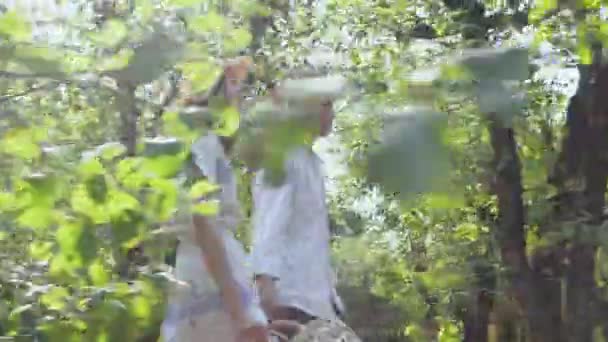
(468,165)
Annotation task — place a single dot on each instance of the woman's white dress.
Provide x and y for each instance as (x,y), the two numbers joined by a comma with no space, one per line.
(195,311)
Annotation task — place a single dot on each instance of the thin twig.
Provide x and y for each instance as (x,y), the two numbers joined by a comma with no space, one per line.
(18,75)
(46,86)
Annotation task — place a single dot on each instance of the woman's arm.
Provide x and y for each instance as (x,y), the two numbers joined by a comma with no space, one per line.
(216,259)
(205,154)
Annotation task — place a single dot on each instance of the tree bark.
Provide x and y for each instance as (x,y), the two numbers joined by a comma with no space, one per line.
(128,116)
(477,317)
(581,162)
(532,291)
(582,289)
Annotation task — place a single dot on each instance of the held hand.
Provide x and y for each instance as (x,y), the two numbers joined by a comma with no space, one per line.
(256,333)
(287,329)
(268,294)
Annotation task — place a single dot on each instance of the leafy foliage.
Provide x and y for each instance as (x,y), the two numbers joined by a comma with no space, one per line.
(92,145)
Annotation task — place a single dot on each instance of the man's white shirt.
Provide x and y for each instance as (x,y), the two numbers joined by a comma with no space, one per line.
(291,236)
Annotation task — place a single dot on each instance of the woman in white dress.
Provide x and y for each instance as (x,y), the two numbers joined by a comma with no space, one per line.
(214,300)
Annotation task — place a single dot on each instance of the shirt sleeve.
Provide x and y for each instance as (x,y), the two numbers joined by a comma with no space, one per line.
(205,153)
(274,206)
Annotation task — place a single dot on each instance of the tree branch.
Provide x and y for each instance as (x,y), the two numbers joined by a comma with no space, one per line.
(28,91)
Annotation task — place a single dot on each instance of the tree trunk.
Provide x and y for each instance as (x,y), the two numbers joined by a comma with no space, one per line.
(533,292)
(477,317)
(580,162)
(129,115)
(582,289)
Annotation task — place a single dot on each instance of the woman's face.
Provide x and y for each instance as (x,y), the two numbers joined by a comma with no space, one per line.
(232,88)
(234,81)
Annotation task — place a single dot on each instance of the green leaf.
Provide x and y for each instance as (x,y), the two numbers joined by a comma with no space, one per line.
(125,227)
(44,188)
(202,188)
(174,125)
(18,142)
(413,158)
(67,236)
(210,22)
(468,231)
(14,26)
(184,3)
(41,60)
(41,250)
(129,175)
(38,217)
(74,62)
(584,52)
(97,188)
(55,298)
(162,146)
(118,61)
(163,166)
(165,199)
(109,151)
(497,64)
(228,122)
(98,273)
(113,33)
(120,201)
(91,167)
(196,119)
(453,200)
(200,74)
(21,309)
(83,204)
(7,201)
(494,97)
(237,40)
(63,266)
(140,307)
(537,12)
(150,59)
(206,208)
(144,9)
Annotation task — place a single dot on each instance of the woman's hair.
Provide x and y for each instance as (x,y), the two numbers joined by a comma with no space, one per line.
(242,67)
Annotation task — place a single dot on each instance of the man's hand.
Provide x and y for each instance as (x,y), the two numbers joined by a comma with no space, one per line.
(268,293)
(288,329)
(256,333)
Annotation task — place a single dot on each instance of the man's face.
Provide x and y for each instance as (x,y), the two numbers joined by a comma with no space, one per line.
(326,118)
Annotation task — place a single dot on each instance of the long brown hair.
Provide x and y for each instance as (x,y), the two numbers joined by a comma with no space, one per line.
(239,68)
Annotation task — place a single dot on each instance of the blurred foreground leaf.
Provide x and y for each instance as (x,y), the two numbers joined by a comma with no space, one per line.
(413,158)
(150,59)
(502,64)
